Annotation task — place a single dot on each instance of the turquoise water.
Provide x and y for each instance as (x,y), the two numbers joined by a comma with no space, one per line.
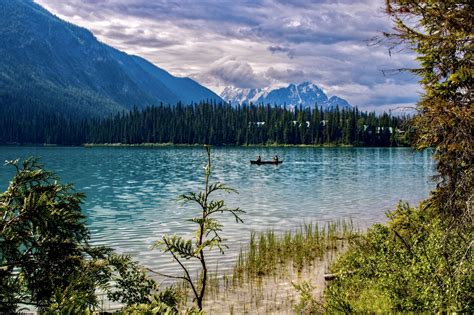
(131,192)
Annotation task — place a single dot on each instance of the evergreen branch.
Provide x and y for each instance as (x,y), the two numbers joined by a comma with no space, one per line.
(188,277)
(220,186)
(234,211)
(176,244)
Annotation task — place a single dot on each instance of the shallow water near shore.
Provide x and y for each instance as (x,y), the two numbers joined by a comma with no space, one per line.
(131,192)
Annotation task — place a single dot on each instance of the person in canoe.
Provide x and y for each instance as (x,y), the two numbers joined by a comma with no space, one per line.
(259,159)
(275,158)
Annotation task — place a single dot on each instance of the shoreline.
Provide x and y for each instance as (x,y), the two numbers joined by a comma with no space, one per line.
(169,145)
(151,145)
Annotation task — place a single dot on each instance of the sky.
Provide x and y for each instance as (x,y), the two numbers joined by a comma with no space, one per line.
(258,43)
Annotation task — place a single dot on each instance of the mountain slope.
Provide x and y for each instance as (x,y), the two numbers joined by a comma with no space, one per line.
(305,94)
(48,63)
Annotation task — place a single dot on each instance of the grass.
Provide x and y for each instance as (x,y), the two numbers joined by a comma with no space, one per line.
(267,251)
(266,271)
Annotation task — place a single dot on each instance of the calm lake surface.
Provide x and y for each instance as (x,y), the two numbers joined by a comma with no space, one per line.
(131,192)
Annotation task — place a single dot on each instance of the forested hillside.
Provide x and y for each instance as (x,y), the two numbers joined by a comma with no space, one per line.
(51,64)
(210,123)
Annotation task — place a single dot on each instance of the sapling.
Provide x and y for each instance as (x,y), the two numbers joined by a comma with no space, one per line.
(207,235)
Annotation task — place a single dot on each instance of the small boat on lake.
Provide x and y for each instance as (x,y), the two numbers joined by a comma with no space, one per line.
(266,162)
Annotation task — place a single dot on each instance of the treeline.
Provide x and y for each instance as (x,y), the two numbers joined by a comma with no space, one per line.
(210,123)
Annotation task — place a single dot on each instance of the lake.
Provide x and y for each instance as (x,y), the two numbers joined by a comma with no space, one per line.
(131,191)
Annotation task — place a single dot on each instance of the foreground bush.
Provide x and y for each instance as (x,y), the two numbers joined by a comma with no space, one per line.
(417,262)
(46,261)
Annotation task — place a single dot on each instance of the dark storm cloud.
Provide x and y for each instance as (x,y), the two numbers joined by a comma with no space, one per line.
(252,43)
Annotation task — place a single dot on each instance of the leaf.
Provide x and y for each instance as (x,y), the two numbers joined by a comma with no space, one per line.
(177,245)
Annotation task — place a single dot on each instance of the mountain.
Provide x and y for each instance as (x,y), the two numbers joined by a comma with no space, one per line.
(51,64)
(305,94)
(337,101)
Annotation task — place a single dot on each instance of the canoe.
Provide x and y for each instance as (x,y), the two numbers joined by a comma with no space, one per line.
(265,162)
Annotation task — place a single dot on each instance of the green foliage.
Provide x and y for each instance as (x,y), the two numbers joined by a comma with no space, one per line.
(157,307)
(151,308)
(79,295)
(440,32)
(45,258)
(399,267)
(207,233)
(118,277)
(130,282)
(422,259)
(163,303)
(308,304)
(169,296)
(43,238)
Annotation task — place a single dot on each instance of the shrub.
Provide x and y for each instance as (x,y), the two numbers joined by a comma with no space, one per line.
(414,263)
(45,258)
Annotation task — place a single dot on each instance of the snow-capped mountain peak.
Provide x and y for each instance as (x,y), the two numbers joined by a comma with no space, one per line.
(305,94)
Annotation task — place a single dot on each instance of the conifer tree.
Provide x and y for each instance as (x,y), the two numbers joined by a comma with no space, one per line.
(441,33)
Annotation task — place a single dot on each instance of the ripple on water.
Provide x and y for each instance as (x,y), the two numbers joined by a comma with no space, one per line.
(131,192)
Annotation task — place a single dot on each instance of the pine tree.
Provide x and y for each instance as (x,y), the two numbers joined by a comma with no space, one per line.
(443,39)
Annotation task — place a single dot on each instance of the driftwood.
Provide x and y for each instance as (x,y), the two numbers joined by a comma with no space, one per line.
(333,276)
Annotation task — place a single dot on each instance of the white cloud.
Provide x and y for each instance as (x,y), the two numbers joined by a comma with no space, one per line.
(230,71)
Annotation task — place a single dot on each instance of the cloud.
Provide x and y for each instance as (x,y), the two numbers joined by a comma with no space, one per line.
(384,95)
(230,71)
(287,75)
(256,43)
(279,49)
(138,37)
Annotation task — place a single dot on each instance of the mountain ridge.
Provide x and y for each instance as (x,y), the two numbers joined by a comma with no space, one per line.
(305,94)
(55,65)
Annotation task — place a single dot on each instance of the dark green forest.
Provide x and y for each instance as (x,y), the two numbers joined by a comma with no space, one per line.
(207,123)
